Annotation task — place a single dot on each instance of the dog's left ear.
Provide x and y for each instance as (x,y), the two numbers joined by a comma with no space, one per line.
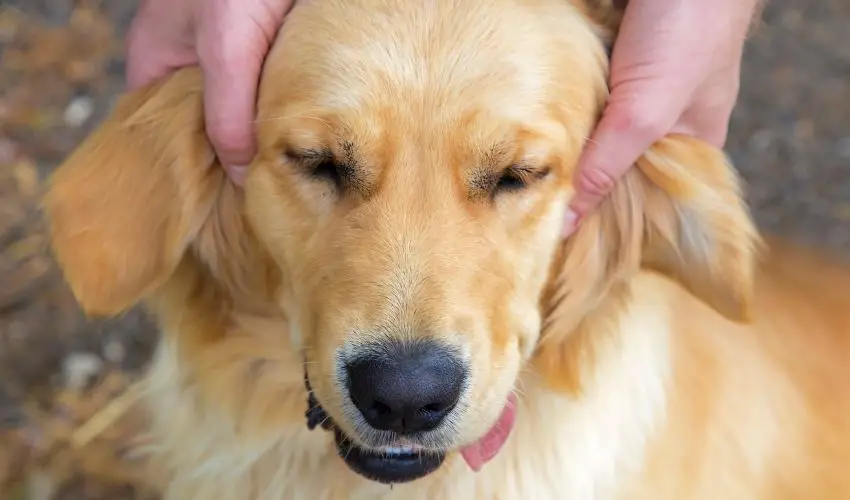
(679,212)
(698,229)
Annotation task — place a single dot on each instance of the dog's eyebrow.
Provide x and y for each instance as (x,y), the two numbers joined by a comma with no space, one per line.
(353,167)
(349,152)
(494,156)
(485,172)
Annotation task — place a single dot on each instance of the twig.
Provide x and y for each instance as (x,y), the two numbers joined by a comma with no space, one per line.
(105,417)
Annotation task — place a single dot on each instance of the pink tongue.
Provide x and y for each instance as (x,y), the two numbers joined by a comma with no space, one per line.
(482,451)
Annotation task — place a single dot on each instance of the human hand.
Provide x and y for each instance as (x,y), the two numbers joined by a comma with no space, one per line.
(229,39)
(675,68)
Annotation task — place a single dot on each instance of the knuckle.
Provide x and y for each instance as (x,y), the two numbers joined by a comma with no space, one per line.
(596,182)
(640,113)
(227,136)
(646,121)
(222,52)
(231,140)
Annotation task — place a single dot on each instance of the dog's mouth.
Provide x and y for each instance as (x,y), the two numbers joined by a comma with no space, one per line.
(406,462)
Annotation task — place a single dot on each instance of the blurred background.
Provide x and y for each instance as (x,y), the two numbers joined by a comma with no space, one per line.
(67,419)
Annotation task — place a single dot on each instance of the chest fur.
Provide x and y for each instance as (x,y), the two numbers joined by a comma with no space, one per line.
(561,448)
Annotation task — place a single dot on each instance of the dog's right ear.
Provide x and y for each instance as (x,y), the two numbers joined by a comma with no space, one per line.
(124,207)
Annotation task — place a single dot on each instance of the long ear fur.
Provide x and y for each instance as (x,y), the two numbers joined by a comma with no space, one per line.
(698,228)
(606,16)
(126,205)
(680,212)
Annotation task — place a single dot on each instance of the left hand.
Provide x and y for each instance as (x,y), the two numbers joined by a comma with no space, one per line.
(675,67)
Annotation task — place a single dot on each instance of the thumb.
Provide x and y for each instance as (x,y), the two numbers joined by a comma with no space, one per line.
(658,60)
(635,117)
(233,39)
(230,91)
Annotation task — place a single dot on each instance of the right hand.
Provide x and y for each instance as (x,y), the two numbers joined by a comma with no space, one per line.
(229,40)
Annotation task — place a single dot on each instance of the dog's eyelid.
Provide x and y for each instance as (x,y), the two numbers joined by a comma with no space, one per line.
(518,176)
(309,154)
(524,168)
(525,172)
(323,164)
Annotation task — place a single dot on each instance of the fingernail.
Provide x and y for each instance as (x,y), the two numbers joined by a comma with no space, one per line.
(570,223)
(237,173)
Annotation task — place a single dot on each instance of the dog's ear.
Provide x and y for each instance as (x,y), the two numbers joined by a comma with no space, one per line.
(605,15)
(124,207)
(680,212)
(698,229)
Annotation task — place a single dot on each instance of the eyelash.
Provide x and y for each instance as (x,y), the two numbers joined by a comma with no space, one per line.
(510,181)
(319,165)
(328,169)
(516,178)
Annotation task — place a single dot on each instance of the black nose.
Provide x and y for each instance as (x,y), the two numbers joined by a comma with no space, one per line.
(406,387)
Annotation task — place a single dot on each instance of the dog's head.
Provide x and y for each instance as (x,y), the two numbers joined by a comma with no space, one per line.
(404,210)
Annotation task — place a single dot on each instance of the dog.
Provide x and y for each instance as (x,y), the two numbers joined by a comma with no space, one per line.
(387,308)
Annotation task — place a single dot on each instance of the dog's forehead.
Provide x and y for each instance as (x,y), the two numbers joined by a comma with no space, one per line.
(428,59)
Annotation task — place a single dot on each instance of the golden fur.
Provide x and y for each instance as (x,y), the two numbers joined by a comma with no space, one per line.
(653,355)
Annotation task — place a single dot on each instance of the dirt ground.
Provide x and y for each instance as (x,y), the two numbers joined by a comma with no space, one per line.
(63,379)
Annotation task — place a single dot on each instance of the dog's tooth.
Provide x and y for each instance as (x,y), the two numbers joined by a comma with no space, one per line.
(399,450)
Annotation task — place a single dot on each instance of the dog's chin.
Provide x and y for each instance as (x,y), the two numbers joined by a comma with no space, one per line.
(388,465)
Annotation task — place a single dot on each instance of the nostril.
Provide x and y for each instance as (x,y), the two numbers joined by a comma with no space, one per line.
(437,409)
(433,408)
(381,408)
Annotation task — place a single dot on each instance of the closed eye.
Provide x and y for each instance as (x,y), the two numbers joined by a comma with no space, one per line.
(518,177)
(321,164)
(510,180)
(328,170)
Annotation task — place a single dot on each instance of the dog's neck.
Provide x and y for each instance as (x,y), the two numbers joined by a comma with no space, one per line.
(601,401)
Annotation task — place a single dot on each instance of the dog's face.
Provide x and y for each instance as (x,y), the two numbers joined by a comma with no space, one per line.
(414,164)
(411,182)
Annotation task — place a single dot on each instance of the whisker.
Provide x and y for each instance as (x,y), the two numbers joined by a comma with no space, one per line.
(293,117)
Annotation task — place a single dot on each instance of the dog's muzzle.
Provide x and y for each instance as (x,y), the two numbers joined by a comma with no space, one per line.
(388,465)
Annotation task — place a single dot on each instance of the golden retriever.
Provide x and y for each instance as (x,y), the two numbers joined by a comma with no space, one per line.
(395,260)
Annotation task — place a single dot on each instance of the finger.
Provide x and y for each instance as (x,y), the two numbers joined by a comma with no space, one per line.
(143,68)
(232,45)
(150,59)
(230,89)
(143,65)
(708,118)
(622,135)
(157,44)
